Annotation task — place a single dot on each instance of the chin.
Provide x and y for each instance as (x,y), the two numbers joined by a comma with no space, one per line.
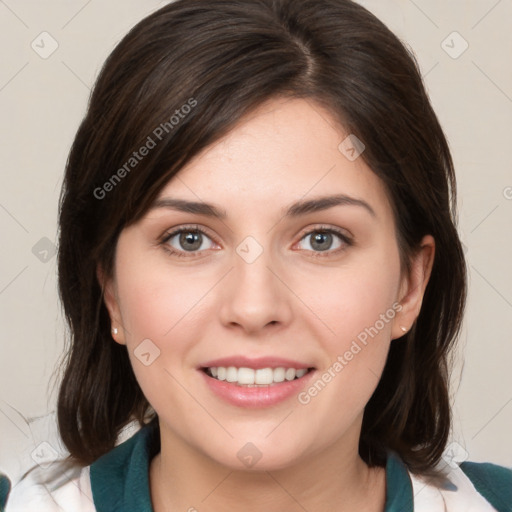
(256,456)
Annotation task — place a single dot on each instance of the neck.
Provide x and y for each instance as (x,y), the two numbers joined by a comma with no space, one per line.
(335,479)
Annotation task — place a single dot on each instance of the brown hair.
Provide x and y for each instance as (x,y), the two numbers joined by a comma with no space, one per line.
(223,59)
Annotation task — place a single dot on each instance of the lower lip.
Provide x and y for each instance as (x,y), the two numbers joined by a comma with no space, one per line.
(256,397)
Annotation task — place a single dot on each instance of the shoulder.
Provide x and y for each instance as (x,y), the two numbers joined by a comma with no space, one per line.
(482,487)
(65,486)
(62,487)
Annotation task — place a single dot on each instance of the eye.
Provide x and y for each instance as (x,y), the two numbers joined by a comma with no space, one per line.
(321,240)
(189,241)
(186,239)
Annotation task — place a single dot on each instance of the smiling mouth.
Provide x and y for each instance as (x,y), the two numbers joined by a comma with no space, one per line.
(249,377)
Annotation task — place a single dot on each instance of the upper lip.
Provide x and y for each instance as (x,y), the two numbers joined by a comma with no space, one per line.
(255,363)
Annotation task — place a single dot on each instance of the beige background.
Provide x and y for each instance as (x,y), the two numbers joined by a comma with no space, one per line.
(42,101)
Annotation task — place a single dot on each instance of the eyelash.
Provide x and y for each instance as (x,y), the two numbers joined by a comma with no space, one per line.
(196,229)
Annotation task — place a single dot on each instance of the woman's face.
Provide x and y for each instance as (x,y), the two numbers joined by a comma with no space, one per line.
(300,270)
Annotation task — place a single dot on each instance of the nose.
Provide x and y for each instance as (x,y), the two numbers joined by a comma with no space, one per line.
(255,296)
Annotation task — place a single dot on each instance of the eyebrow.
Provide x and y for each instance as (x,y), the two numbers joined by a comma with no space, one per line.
(295,210)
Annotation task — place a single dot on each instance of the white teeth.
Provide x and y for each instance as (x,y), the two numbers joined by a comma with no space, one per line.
(264,376)
(249,377)
(231,374)
(246,376)
(279,374)
(289,374)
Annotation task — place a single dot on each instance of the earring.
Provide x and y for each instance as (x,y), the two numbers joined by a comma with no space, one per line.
(404,329)
(114,330)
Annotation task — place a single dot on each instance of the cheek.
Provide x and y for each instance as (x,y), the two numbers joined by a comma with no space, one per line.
(358,297)
(160,311)
(357,306)
(155,301)
(163,313)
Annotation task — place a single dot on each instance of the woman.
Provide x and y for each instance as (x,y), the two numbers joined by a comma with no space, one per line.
(259,264)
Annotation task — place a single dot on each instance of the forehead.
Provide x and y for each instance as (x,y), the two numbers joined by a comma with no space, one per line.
(285,150)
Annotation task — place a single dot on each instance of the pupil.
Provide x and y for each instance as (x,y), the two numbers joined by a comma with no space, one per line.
(190,238)
(321,238)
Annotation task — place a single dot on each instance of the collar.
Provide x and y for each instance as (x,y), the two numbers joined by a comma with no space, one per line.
(120,478)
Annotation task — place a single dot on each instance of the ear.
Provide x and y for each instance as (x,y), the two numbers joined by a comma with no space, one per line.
(413,285)
(110,298)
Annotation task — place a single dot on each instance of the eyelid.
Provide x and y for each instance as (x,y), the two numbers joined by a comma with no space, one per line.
(169,233)
(343,233)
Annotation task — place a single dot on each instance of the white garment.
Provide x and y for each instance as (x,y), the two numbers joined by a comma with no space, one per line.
(428,498)
(62,491)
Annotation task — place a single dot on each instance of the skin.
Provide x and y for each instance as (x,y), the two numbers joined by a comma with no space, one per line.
(289,302)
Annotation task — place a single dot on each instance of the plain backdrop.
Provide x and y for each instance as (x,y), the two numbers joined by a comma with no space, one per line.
(51,54)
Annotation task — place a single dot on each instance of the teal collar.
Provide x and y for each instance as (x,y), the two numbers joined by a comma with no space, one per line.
(399,497)
(120,478)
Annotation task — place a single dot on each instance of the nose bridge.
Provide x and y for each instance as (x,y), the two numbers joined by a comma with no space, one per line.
(255,296)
